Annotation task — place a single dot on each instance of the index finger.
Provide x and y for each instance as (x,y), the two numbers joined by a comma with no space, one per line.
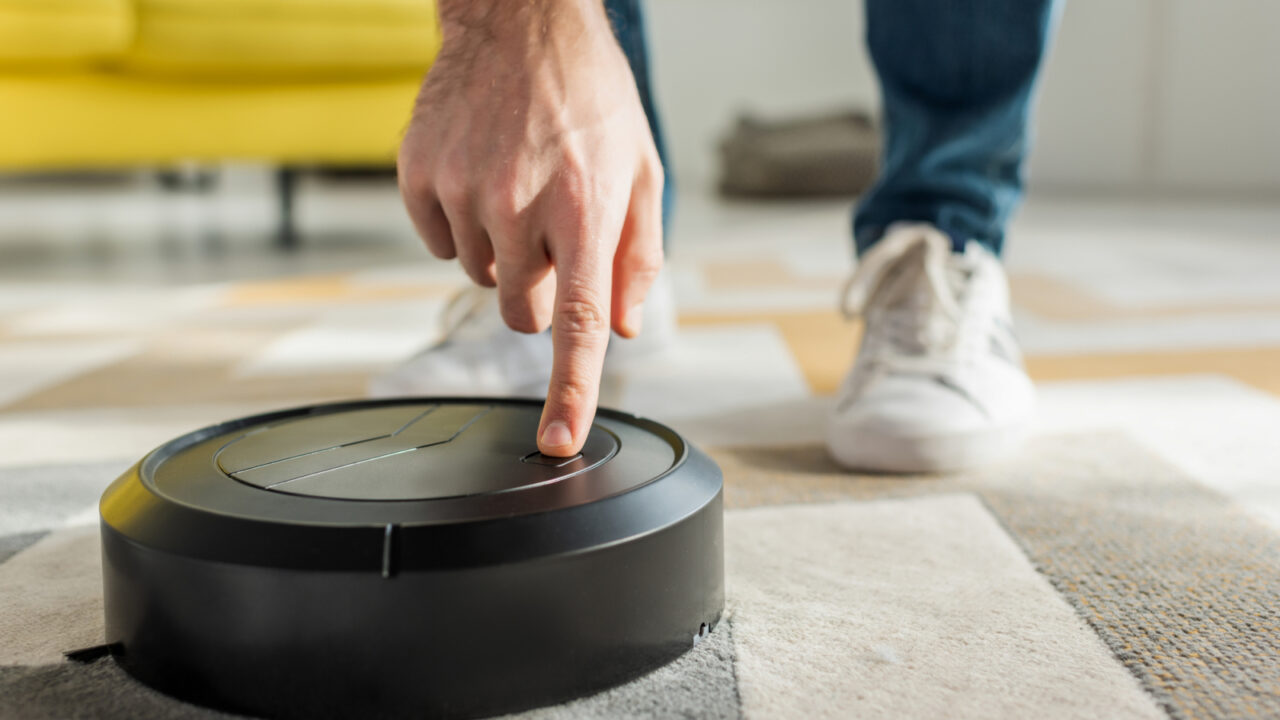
(579,335)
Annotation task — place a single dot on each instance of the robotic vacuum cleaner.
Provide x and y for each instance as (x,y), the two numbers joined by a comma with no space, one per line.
(409,557)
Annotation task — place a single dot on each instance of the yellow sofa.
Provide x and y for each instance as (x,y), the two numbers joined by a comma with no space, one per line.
(126,83)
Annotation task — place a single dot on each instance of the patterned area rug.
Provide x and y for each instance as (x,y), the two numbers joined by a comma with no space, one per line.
(1125,565)
(1086,579)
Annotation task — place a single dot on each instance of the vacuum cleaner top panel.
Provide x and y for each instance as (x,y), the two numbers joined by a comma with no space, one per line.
(412,462)
(386,484)
(407,452)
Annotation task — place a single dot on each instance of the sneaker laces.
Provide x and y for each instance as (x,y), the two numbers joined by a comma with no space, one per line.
(463,315)
(909,289)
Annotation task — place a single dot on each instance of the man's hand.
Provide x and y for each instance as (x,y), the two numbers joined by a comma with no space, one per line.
(529,159)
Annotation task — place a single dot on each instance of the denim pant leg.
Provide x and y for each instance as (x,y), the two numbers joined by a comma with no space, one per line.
(956,80)
(627,19)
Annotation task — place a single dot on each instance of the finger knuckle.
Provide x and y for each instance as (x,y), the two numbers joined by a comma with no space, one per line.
(575,181)
(522,323)
(437,242)
(441,249)
(647,257)
(573,390)
(504,215)
(581,313)
(479,267)
(518,316)
(646,268)
(413,178)
(517,253)
(435,235)
(452,190)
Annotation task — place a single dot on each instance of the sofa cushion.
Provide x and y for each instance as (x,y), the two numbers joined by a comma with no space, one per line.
(58,32)
(284,39)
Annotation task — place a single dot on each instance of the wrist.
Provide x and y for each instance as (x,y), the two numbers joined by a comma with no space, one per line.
(521,22)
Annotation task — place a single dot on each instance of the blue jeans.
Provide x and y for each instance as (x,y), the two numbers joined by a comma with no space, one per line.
(628,27)
(956,79)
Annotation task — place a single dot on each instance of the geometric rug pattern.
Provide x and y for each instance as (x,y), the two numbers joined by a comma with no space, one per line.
(1125,564)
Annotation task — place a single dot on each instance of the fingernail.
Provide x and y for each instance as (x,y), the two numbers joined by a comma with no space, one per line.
(557,435)
(635,316)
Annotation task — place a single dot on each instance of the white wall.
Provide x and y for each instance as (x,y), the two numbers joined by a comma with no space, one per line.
(713,58)
(1139,95)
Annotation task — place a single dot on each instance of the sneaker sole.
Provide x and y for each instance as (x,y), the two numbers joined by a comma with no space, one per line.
(878,453)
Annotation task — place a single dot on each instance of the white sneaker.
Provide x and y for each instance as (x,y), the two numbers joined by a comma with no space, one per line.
(938,383)
(479,355)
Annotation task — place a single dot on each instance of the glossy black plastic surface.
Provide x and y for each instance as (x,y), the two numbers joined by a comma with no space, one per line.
(416,452)
(409,557)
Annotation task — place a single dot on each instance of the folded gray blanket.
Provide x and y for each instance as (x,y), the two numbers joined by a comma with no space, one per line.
(832,155)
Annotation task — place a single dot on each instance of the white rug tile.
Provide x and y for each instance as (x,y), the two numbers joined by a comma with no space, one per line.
(250,317)
(84,517)
(1216,430)
(908,608)
(1183,332)
(79,436)
(119,311)
(707,226)
(827,262)
(17,295)
(1143,254)
(44,497)
(320,349)
(713,371)
(1197,280)
(26,367)
(428,271)
(351,338)
(686,282)
(783,423)
(757,300)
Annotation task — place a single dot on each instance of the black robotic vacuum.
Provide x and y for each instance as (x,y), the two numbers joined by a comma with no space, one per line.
(409,557)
